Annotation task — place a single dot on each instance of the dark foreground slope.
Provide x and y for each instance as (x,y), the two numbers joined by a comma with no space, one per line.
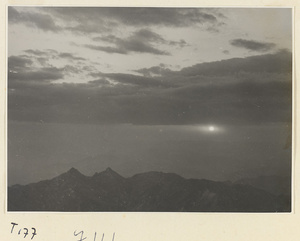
(152,191)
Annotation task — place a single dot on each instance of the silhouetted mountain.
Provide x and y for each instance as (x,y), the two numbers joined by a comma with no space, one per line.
(151,191)
(277,185)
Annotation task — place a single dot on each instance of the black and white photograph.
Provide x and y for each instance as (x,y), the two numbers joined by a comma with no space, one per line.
(149,109)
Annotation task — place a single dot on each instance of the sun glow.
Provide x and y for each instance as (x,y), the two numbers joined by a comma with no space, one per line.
(211,128)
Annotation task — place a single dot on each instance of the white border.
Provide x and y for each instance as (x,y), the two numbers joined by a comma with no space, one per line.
(157,226)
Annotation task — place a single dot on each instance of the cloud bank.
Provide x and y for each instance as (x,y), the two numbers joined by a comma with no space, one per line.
(252,90)
(87,20)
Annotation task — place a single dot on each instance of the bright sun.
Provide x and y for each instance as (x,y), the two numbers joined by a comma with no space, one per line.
(211,128)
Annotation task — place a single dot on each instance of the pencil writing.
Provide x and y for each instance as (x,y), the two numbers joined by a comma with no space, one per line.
(23,231)
(82,236)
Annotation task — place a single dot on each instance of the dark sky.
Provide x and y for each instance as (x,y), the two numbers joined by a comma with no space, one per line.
(178,90)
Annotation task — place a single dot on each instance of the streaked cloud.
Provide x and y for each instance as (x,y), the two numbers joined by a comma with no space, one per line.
(37,75)
(33,19)
(140,41)
(70,56)
(78,20)
(154,70)
(17,62)
(174,17)
(252,45)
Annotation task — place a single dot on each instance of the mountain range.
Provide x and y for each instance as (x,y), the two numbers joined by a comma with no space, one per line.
(151,191)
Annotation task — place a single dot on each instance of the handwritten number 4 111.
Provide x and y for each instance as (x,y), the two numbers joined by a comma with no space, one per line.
(81,236)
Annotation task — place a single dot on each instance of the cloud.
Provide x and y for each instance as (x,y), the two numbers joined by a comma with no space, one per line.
(42,74)
(33,19)
(154,71)
(193,95)
(70,69)
(21,71)
(53,54)
(280,62)
(135,45)
(88,20)
(106,49)
(228,104)
(100,82)
(17,62)
(141,41)
(41,58)
(174,17)
(36,52)
(252,45)
(69,56)
(48,65)
(89,27)
(148,35)
(43,61)
(181,43)
(130,79)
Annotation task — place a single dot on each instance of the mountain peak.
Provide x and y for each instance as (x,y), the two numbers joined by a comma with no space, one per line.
(73,171)
(109,170)
(71,174)
(110,173)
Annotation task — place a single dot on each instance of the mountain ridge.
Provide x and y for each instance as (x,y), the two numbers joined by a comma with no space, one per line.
(149,191)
